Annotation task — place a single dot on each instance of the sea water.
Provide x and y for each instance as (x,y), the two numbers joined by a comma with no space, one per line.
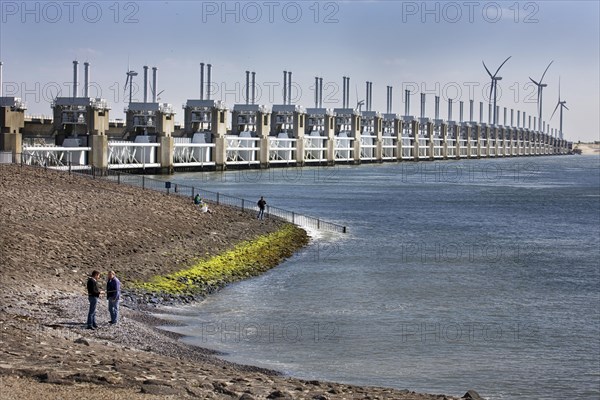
(453,275)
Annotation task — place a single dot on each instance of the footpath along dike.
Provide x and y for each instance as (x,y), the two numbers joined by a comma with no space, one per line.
(57,228)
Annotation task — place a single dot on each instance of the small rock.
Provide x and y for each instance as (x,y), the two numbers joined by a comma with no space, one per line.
(82,341)
(246,396)
(472,395)
(159,390)
(278,394)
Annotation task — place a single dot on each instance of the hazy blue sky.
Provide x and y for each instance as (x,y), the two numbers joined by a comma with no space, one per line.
(435,47)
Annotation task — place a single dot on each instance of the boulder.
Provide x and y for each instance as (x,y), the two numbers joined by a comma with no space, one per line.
(472,395)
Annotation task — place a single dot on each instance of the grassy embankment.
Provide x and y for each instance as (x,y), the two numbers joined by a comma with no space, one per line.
(249,258)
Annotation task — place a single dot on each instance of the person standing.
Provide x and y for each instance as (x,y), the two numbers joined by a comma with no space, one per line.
(261,207)
(113,294)
(93,295)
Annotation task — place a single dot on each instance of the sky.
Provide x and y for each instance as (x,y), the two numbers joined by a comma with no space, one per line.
(432,47)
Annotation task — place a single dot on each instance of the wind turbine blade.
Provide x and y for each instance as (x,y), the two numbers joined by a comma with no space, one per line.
(498,70)
(555,108)
(486,68)
(537,84)
(546,71)
(566,107)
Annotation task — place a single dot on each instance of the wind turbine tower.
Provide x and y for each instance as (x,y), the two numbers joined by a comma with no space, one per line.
(541,87)
(561,104)
(493,89)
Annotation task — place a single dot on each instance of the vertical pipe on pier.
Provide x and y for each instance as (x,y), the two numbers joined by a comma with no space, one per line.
(512,117)
(253,87)
(320,92)
(422,105)
(75,72)
(387,100)
(285,87)
(529,123)
(406,102)
(481,112)
(289,87)
(489,114)
(437,107)
(535,124)
(201,81)
(367,97)
(348,92)
(145,83)
(391,99)
(344,92)
(0,78)
(471,106)
(247,87)
(86,79)
(154,89)
(449,109)
(505,120)
(316,91)
(460,111)
(497,113)
(208,80)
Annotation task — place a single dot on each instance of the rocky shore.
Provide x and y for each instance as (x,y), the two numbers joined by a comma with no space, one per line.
(55,229)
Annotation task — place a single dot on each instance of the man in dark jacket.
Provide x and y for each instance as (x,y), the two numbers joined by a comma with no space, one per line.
(93,295)
(113,294)
(262,203)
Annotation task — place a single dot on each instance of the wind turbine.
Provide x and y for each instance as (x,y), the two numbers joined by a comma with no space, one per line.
(493,89)
(541,87)
(129,80)
(562,105)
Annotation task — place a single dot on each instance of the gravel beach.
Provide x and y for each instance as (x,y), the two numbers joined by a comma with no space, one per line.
(55,229)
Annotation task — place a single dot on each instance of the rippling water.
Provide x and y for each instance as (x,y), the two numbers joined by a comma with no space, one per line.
(454,275)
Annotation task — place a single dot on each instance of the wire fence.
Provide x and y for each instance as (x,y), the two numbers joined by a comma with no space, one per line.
(172,188)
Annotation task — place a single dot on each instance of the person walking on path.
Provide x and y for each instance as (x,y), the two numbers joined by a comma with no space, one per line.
(113,294)
(261,208)
(93,295)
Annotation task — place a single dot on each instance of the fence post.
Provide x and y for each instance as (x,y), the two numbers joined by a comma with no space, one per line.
(293,217)
(217,197)
(242,204)
(118,178)
(143,182)
(318,223)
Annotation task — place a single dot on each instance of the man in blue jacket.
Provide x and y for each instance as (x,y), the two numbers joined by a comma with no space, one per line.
(113,294)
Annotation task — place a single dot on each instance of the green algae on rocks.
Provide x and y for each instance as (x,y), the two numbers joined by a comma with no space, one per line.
(249,258)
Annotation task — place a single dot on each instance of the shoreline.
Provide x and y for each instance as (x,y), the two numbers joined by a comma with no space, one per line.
(58,228)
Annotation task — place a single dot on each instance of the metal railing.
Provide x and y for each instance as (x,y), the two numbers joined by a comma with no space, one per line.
(172,188)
